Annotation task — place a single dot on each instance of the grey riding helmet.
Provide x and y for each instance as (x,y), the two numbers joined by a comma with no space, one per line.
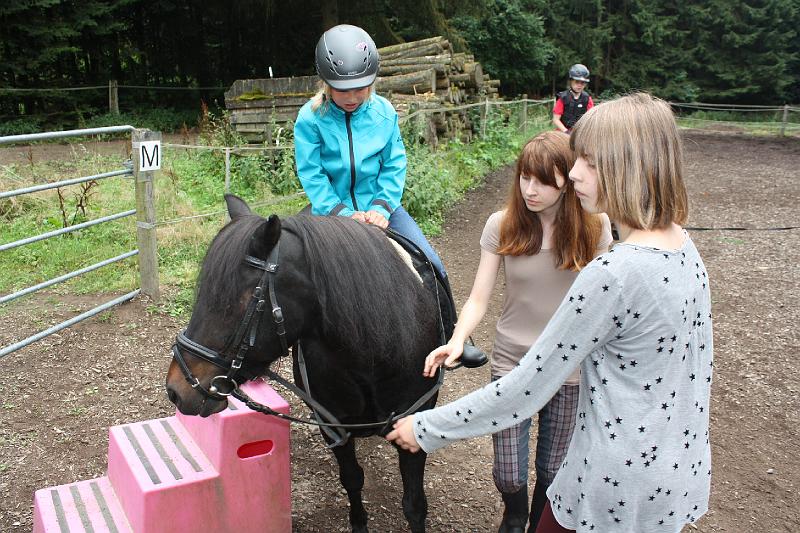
(346,58)
(579,72)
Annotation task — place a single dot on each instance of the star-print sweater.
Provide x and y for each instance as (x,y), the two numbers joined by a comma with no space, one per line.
(638,322)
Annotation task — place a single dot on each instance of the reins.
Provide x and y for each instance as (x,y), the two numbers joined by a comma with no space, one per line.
(245,337)
(325,420)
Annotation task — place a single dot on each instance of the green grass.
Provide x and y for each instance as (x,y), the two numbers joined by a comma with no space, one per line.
(191,183)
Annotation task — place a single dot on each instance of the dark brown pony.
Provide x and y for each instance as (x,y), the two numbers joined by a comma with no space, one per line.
(363,319)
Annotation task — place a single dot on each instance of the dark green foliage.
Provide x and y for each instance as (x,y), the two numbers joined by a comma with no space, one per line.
(510,43)
(714,51)
(745,51)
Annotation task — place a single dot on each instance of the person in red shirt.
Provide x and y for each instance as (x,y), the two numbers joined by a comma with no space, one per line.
(574,102)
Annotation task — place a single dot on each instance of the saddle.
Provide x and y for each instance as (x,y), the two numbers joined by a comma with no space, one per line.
(472,356)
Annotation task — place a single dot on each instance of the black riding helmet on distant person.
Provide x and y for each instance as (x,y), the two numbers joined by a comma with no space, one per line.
(579,72)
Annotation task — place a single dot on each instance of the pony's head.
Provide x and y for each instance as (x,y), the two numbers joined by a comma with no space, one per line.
(233,316)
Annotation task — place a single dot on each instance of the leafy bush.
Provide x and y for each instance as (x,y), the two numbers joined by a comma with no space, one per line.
(282,175)
(438,178)
(164,120)
(21,126)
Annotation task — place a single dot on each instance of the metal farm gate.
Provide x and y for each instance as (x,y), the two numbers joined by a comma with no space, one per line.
(146,160)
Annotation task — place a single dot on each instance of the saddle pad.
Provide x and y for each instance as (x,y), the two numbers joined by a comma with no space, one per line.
(406,257)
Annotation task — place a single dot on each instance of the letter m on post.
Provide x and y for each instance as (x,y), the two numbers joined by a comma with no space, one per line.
(149,156)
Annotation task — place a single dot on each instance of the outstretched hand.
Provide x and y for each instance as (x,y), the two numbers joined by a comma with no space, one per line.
(446,355)
(403,434)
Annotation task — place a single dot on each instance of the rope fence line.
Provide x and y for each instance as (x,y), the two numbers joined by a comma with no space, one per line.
(175,88)
(104,87)
(449,109)
(113,85)
(470,106)
(738,107)
(253,205)
(782,125)
(742,123)
(705,107)
(233,149)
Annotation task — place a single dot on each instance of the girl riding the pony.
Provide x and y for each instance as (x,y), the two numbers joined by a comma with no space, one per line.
(350,156)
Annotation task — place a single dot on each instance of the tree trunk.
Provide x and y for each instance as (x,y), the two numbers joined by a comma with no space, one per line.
(395,48)
(416,60)
(417,82)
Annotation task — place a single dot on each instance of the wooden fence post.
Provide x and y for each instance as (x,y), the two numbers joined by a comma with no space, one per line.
(484,117)
(785,118)
(113,97)
(227,169)
(523,113)
(146,214)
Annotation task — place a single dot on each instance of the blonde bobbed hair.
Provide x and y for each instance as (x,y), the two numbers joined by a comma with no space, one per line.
(634,144)
(321,100)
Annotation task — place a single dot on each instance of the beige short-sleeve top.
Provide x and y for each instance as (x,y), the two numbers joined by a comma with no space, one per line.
(534,288)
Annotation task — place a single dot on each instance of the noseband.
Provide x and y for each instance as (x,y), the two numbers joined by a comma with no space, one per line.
(245,336)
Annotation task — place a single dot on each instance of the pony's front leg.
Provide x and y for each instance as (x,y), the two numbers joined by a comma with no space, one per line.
(352,477)
(415,504)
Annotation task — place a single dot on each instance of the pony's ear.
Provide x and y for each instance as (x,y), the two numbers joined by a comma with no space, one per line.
(265,236)
(236,206)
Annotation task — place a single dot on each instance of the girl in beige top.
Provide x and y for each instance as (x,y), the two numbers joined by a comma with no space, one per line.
(542,238)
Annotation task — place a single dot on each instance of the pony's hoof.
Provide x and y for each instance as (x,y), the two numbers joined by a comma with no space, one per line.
(360,529)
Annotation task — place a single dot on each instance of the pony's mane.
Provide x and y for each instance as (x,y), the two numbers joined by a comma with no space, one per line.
(372,304)
(221,285)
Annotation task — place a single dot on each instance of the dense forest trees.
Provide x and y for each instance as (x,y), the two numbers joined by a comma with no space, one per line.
(733,51)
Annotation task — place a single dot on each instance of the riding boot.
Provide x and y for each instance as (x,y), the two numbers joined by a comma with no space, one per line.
(538,502)
(515,514)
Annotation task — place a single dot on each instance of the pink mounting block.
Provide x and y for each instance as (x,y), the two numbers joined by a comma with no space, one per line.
(227,472)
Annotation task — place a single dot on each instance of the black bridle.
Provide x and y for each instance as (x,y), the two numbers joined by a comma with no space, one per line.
(245,338)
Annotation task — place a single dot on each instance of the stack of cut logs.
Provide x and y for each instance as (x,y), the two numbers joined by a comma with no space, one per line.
(415,76)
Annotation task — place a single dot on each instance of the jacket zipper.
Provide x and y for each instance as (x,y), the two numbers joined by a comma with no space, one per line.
(347,117)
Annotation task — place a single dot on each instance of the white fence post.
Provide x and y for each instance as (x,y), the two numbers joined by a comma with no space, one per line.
(146,209)
(785,119)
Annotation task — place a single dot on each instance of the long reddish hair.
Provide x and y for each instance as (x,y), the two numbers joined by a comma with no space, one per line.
(576,234)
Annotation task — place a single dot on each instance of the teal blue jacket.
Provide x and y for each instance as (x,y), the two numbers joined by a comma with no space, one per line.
(350,162)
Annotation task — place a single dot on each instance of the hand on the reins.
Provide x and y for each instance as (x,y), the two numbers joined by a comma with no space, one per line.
(449,354)
(359,216)
(403,434)
(376,219)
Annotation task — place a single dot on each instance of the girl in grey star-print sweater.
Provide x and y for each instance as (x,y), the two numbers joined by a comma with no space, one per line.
(637,320)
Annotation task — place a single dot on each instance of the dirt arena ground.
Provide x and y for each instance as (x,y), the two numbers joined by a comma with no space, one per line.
(59,396)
